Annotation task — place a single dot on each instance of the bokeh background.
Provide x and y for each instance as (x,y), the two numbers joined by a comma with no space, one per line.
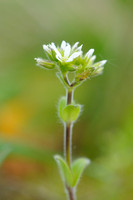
(30,131)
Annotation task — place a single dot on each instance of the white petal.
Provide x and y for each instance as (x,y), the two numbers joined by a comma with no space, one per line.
(38,60)
(63,45)
(93,58)
(67,50)
(73,56)
(75,45)
(58,58)
(89,53)
(79,48)
(54,48)
(103,62)
(46,48)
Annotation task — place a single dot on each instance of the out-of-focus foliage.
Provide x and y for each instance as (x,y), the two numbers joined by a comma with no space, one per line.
(28,97)
(4,152)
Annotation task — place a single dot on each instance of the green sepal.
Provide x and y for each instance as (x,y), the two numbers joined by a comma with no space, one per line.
(64,170)
(71,112)
(69,67)
(78,167)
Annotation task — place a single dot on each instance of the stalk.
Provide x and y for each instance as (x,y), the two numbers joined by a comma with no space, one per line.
(68,145)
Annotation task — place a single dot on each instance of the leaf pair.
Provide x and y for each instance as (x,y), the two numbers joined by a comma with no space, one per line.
(68,113)
(71,176)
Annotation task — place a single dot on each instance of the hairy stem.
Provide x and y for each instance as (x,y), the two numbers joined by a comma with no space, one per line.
(68,133)
(68,145)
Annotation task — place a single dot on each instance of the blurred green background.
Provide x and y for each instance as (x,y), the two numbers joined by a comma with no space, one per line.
(30,131)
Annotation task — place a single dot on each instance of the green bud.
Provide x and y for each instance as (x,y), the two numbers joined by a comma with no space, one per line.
(83,76)
(97,71)
(45,63)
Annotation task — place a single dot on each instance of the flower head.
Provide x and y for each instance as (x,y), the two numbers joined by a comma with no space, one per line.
(64,54)
(87,68)
(71,58)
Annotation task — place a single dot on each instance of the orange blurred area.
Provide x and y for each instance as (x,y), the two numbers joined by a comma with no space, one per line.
(22,168)
(13,116)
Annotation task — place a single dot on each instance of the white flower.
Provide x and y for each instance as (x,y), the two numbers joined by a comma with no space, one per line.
(89,54)
(65,53)
(71,58)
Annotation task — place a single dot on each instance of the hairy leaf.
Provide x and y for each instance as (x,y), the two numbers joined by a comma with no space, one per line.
(78,167)
(64,170)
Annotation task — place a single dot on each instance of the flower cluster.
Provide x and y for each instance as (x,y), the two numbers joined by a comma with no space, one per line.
(70,58)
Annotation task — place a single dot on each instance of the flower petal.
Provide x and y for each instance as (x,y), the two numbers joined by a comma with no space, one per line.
(73,56)
(63,45)
(67,50)
(93,58)
(58,58)
(75,45)
(54,48)
(46,48)
(79,48)
(103,62)
(89,53)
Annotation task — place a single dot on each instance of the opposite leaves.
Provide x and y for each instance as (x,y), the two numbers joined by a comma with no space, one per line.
(71,176)
(68,113)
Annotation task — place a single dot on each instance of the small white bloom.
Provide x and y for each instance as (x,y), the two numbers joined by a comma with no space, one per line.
(73,56)
(63,45)
(67,51)
(93,58)
(75,45)
(89,53)
(80,48)
(103,62)
(38,60)
(46,48)
(54,48)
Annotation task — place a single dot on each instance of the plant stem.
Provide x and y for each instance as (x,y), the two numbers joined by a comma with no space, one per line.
(68,145)
(68,133)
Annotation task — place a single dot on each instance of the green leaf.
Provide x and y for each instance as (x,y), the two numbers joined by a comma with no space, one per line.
(78,167)
(62,104)
(71,113)
(64,170)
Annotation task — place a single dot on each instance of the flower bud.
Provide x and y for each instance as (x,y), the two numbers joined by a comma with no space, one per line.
(44,63)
